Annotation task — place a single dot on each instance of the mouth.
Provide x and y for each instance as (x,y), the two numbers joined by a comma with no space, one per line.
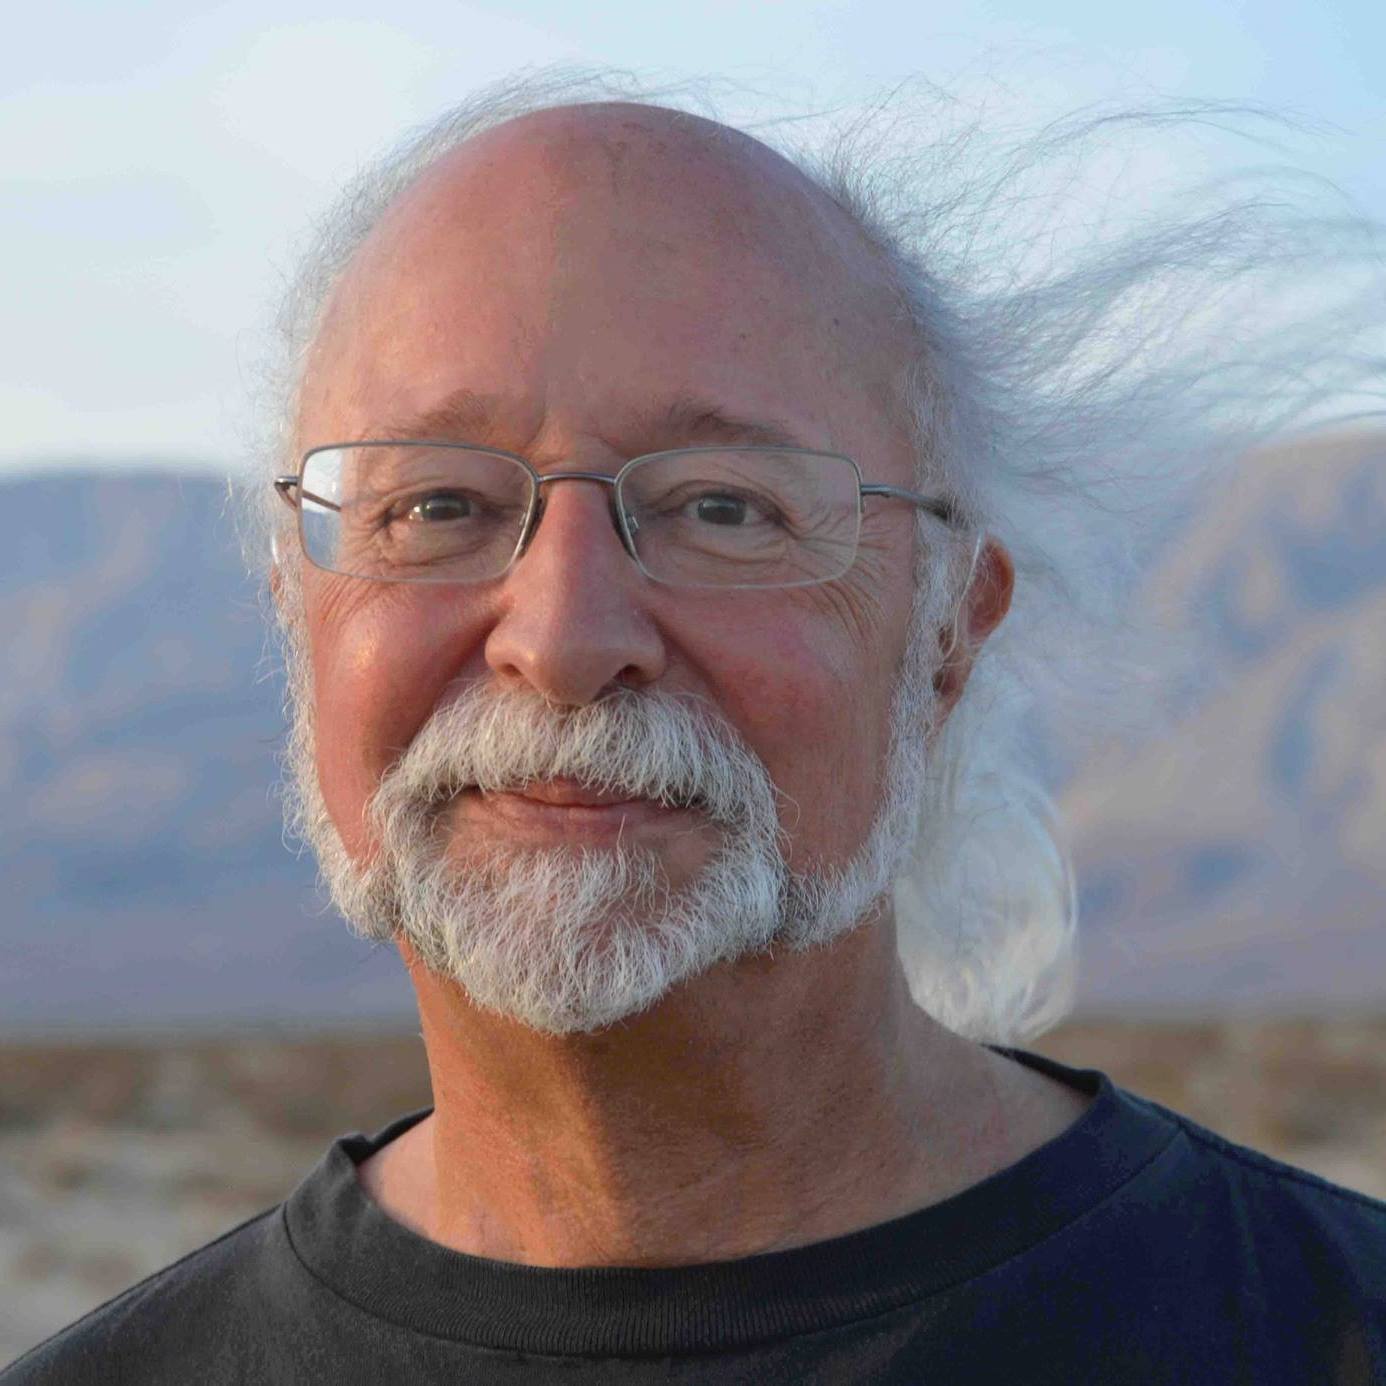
(566,793)
(565,809)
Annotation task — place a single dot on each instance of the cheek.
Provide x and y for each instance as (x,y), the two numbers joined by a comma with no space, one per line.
(378,672)
(802,699)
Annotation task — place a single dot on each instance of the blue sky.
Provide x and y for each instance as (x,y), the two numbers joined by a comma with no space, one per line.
(158,160)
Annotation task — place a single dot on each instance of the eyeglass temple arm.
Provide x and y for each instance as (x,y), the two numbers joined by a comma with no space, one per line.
(285,484)
(945,510)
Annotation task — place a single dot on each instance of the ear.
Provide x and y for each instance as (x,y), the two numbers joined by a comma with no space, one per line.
(984,604)
(276,571)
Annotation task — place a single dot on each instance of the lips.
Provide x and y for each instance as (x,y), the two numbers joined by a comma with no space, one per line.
(572,794)
(561,793)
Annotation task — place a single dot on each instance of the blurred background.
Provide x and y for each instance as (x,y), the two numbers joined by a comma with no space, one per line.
(183,1023)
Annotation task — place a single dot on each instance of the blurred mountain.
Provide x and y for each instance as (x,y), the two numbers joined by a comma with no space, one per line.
(1236,860)
(143,877)
(1239,857)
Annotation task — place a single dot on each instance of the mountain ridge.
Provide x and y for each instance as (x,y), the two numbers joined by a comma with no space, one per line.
(1234,860)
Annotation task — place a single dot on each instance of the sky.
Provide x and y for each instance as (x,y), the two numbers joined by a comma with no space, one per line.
(160,161)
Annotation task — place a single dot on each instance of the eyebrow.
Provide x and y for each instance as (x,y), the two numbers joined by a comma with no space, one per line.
(468,416)
(695,420)
(465,416)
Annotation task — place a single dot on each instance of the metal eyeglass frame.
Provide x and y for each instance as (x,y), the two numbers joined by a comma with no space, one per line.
(624,523)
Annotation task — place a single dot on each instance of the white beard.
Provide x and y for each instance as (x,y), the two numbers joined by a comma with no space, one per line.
(570,940)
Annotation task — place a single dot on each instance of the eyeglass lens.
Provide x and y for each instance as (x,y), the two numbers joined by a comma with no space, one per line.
(734,517)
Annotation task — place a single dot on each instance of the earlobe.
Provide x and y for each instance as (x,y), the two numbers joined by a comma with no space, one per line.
(981,609)
(993,598)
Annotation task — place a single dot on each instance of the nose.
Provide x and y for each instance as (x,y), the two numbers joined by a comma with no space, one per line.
(574,618)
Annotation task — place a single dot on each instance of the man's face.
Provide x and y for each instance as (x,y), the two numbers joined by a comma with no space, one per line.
(581,289)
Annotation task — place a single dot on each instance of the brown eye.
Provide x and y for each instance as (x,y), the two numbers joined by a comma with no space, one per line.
(721,510)
(443,506)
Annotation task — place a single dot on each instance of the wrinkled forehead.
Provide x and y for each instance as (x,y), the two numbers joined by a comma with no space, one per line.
(667,225)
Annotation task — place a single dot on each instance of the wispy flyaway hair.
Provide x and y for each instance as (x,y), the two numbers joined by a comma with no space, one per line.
(1096,338)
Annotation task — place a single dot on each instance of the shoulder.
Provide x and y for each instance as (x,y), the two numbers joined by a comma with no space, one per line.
(1270,1174)
(1329,1237)
(143,1333)
(1213,1259)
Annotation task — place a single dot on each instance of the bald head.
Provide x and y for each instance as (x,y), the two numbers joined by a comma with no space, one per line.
(705,252)
(619,161)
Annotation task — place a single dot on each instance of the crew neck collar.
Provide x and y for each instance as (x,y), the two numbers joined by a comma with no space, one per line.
(347,1241)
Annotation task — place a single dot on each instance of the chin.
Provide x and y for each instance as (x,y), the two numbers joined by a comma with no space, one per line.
(569,940)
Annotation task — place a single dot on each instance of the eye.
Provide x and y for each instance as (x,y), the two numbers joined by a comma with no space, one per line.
(439,506)
(733,509)
(721,509)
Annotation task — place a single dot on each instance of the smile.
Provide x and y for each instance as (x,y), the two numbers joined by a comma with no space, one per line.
(566,809)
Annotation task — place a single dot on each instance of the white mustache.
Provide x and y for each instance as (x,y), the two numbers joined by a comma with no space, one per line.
(672,749)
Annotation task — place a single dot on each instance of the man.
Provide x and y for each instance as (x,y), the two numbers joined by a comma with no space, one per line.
(625,622)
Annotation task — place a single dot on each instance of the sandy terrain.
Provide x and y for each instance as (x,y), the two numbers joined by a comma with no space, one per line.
(116,1159)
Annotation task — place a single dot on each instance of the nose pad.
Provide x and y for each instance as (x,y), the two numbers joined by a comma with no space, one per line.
(626,526)
(532,528)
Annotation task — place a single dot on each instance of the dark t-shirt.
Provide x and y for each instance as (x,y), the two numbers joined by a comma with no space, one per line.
(1134,1247)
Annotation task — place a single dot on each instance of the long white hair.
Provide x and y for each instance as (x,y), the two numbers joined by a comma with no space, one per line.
(1081,373)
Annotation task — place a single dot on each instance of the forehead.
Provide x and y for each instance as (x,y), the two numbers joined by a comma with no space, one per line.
(595,259)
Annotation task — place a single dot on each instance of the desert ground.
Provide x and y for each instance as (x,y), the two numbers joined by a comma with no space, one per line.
(118,1157)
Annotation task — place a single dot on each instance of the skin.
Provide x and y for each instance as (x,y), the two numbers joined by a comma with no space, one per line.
(582,267)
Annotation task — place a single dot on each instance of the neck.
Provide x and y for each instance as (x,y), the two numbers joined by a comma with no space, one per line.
(774,1102)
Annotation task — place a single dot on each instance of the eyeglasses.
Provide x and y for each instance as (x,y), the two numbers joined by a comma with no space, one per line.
(690,517)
